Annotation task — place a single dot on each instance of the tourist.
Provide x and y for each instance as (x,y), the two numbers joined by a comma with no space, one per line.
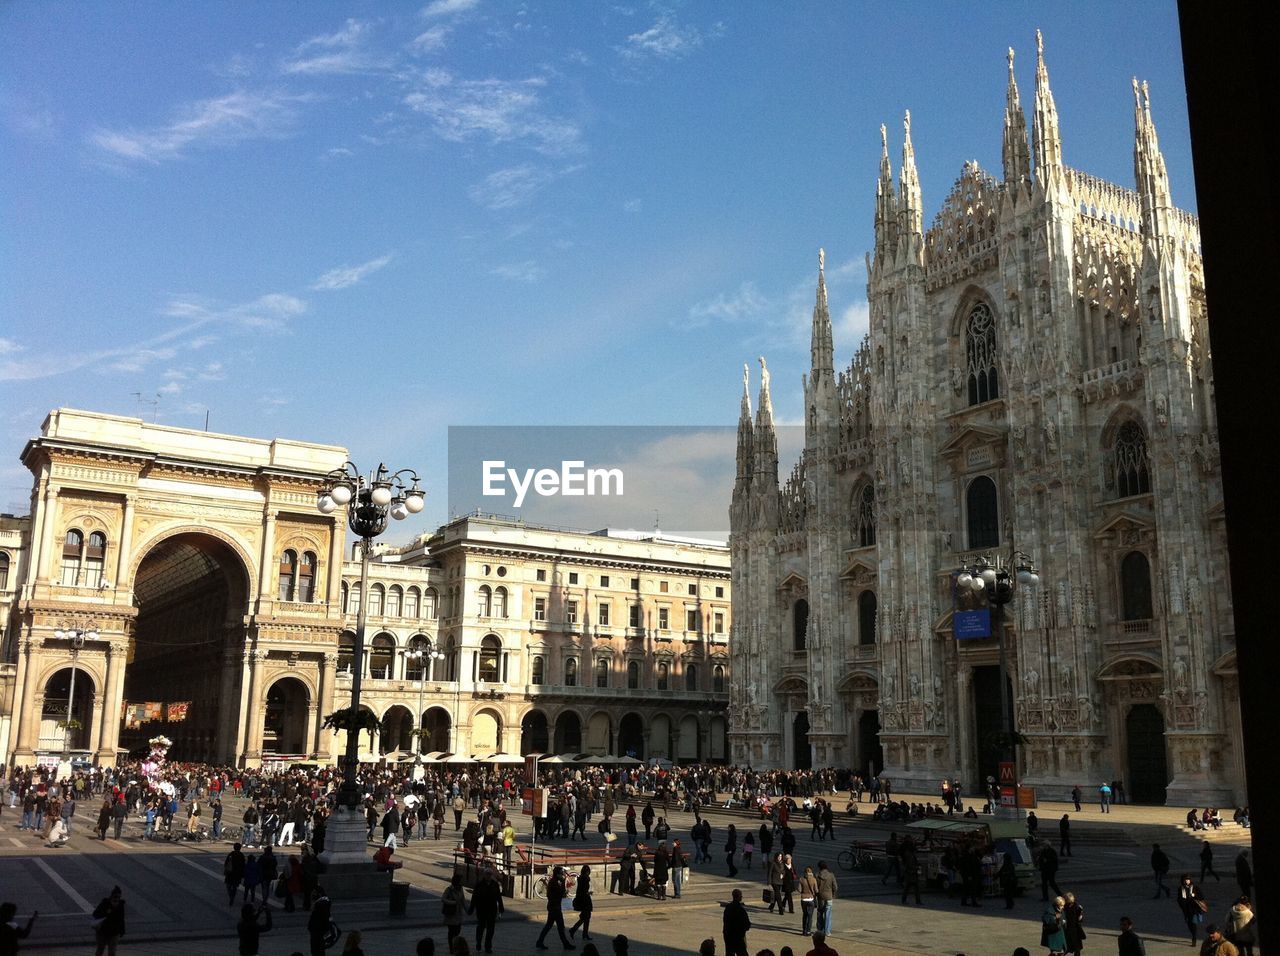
(808,900)
(1129,943)
(352,945)
(253,923)
(108,922)
(233,872)
(820,947)
(1215,944)
(319,922)
(1192,903)
(452,903)
(1053,928)
(736,925)
(582,903)
(10,931)
(1073,928)
(731,848)
(486,904)
(556,893)
(827,891)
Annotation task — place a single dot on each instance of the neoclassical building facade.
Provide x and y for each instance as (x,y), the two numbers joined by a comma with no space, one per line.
(1036,380)
(192,587)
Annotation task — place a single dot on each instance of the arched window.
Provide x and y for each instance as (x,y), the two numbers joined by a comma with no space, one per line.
(1129,458)
(664,676)
(500,602)
(307,578)
(800,623)
(717,679)
(395,600)
(486,600)
(983,513)
(865,516)
(571,672)
(353,601)
(537,670)
(412,598)
(690,676)
(490,654)
(4,571)
(415,661)
(1135,587)
(430,604)
(72,551)
(95,556)
(867,617)
(288,574)
(980,355)
(344,593)
(633,675)
(602,672)
(346,651)
(376,594)
(382,653)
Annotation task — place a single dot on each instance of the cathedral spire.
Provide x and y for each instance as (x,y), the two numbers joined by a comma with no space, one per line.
(821,347)
(766,445)
(909,185)
(1017,161)
(886,213)
(1148,166)
(1045,133)
(746,431)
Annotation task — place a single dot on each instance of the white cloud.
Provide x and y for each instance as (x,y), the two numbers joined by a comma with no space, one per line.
(632,205)
(444,8)
(431,40)
(222,121)
(345,51)
(502,111)
(9,346)
(527,271)
(741,304)
(509,187)
(666,39)
(344,276)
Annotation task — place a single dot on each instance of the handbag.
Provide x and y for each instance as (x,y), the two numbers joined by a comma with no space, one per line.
(767,896)
(332,935)
(282,887)
(1202,905)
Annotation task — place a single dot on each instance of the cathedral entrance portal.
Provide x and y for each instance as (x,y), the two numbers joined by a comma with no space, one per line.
(988,720)
(803,759)
(191,590)
(870,750)
(1148,767)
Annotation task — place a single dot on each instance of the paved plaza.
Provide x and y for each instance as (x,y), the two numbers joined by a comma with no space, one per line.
(176,902)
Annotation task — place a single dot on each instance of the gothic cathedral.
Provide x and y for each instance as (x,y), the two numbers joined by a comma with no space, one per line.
(1035,387)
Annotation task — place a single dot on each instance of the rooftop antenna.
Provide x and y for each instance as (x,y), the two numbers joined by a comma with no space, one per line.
(206,419)
(655,520)
(153,402)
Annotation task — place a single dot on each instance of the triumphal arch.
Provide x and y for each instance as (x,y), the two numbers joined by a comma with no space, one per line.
(187,580)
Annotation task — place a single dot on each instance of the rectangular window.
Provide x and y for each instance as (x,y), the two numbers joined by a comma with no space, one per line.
(662,586)
(603,618)
(664,618)
(719,619)
(542,574)
(693,589)
(604,580)
(635,615)
(635,584)
(539,609)
(691,620)
(571,612)
(719,591)
(573,577)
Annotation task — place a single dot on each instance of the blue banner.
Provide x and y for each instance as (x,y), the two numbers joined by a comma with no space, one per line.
(969,625)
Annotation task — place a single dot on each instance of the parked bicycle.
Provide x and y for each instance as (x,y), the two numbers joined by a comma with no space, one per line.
(859,857)
(540,886)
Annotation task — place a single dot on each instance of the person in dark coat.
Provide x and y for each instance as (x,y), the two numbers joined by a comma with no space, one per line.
(104,819)
(582,903)
(10,931)
(1189,901)
(556,893)
(233,872)
(253,923)
(1073,925)
(318,922)
(1130,943)
(731,849)
(1047,861)
(108,919)
(1244,874)
(1064,835)
(390,824)
(910,870)
(1160,868)
(1008,877)
(1206,862)
(486,904)
(661,870)
(736,925)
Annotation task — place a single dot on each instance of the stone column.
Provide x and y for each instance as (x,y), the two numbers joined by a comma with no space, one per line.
(31,727)
(324,705)
(126,540)
(333,575)
(113,695)
(253,728)
(964,726)
(269,564)
(48,520)
(242,712)
(226,746)
(24,702)
(95,722)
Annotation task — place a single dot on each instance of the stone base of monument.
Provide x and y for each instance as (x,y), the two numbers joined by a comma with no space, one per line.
(349,870)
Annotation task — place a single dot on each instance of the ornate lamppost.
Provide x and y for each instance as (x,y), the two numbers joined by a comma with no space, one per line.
(68,631)
(372,499)
(999,579)
(424,653)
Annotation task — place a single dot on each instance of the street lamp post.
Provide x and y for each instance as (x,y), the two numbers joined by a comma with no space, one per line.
(372,500)
(77,636)
(999,579)
(425,652)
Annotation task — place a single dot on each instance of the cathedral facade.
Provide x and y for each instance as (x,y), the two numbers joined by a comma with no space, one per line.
(1035,387)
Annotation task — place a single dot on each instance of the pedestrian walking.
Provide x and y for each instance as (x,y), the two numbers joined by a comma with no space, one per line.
(319,922)
(486,905)
(233,872)
(1047,861)
(1104,797)
(1076,794)
(1008,877)
(1242,931)
(1053,934)
(828,890)
(1074,926)
(679,860)
(1244,874)
(452,903)
(1206,862)
(10,931)
(1215,944)
(582,903)
(735,927)
(731,848)
(556,893)
(108,922)
(1129,943)
(910,870)
(1160,869)
(775,874)
(253,923)
(1064,835)
(1192,903)
(808,900)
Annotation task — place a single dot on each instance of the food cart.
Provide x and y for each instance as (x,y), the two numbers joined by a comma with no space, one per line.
(933,836)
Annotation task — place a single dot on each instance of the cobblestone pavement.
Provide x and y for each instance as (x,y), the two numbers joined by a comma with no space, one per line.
(177,904)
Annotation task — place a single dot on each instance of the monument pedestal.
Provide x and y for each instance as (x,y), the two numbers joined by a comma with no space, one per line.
(349,870)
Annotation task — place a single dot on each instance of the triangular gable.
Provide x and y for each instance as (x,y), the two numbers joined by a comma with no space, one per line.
(859,567)
(793,582)
(1225,666)
(1131,667)
(791,684)
(1124,521)
(858,680)
(970,435)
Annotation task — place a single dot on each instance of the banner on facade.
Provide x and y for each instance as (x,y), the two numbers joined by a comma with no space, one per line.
(970,615)
(136,713)
(177,711)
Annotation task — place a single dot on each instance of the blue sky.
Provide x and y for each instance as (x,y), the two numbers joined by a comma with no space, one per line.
(363,223)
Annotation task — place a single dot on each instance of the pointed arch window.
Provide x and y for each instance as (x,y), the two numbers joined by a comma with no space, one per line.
(664,676)
(486,600)
(980,355)
(537,670)
(691,677)
(95,556)
(865,518)
(1129,459)
(717,679)
(867,618)
(395,600)
(633,675)
(1135,587)
(571,672)
(500,602)
(307,577)
(602,672)
(800,624)
(983,513)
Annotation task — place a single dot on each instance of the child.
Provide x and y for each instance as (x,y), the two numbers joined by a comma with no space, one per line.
(748,848)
